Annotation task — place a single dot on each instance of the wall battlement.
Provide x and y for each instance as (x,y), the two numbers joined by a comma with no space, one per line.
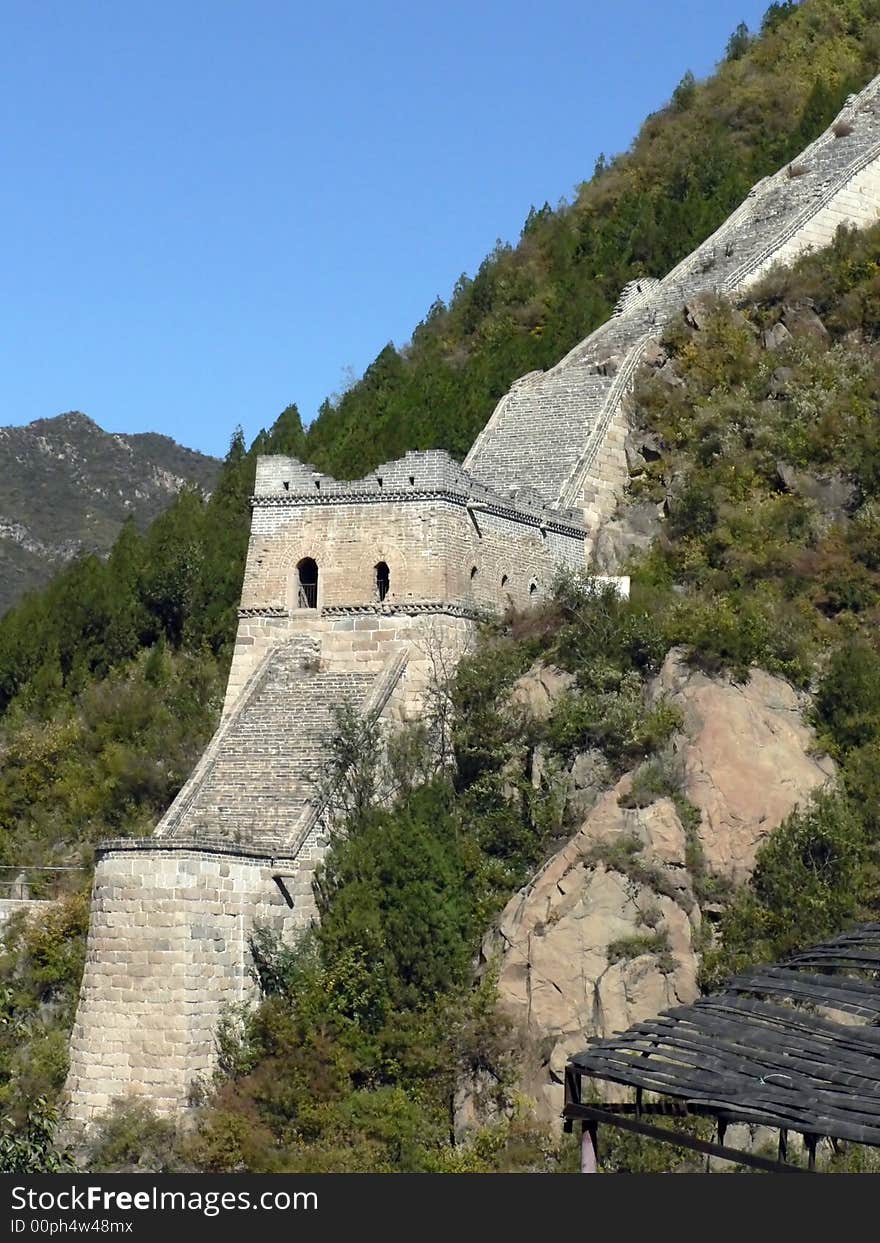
(361,590)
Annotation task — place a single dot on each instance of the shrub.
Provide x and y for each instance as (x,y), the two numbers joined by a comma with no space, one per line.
(655,943)
(40,969)
(659,777)
(30,1148)
(616,720)
(130,1138)
(815,874)
(846,709)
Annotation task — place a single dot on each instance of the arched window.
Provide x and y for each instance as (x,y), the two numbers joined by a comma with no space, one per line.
(307,584)
(533,588)
(383,580)
(503,580)
(473,572)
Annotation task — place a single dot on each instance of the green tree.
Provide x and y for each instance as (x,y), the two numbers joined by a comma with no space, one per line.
(738,43)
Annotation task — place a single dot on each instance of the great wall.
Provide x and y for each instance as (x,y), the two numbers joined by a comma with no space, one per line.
(350,590)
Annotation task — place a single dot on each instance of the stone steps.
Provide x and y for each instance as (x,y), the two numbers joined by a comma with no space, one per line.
(270,761)
(544,425)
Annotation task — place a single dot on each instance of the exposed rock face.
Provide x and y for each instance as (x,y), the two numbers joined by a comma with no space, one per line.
(632,530)
(555,980)
(607,932)
(538,690)
(802,320)
(774,338)
(832,494)
(746,756)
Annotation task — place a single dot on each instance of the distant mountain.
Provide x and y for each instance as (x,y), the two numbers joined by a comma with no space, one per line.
(67,486)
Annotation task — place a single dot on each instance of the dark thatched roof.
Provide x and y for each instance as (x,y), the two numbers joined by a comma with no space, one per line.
(795,1045)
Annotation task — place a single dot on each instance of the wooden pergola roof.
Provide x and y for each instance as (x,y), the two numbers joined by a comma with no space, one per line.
(795,1046)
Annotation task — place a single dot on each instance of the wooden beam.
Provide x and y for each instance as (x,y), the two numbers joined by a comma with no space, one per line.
(669,1109)
(591,1113)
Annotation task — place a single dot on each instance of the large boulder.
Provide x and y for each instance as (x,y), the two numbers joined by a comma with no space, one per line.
(601,938)
(802,321)
(775,337)
(538,689)
(832,494)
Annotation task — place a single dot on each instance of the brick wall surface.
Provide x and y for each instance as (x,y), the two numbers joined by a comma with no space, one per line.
(166,952)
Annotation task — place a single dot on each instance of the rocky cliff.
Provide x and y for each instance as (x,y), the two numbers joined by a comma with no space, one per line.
(609,930)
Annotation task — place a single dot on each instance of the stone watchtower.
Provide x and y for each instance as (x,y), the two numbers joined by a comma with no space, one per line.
(372,567)
(350,590)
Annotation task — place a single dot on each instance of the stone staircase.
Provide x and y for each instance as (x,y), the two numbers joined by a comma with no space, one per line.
(539,431)
(551,426)
(265,765)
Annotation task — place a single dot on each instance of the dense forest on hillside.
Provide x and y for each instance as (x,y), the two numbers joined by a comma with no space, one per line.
(110,680)
(639,214)
(67,487)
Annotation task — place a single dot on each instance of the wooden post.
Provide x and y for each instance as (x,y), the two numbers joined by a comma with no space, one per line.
(783,1144)
(589,1148)
(572,1094)
(721,1131)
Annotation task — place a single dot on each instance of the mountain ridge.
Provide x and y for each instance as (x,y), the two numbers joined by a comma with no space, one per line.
(67,486)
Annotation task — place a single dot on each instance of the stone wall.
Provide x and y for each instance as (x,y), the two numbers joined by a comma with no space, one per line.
(454,550)
(575,411)
(436,548)
(856,205)
(167,952)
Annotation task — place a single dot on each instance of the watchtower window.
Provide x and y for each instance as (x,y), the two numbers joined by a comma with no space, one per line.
(503,580)
(383,580)
(473,572)
(533,588)
(307,584)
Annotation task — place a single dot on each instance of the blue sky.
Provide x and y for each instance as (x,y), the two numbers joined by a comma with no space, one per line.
(211,209)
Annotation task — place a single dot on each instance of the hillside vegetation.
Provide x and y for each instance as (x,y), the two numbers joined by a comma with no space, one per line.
(641,212)
(768,557)
(67,487)
(767,469)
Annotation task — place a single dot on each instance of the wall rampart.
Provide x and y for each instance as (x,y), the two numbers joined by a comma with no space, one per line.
(167,952)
